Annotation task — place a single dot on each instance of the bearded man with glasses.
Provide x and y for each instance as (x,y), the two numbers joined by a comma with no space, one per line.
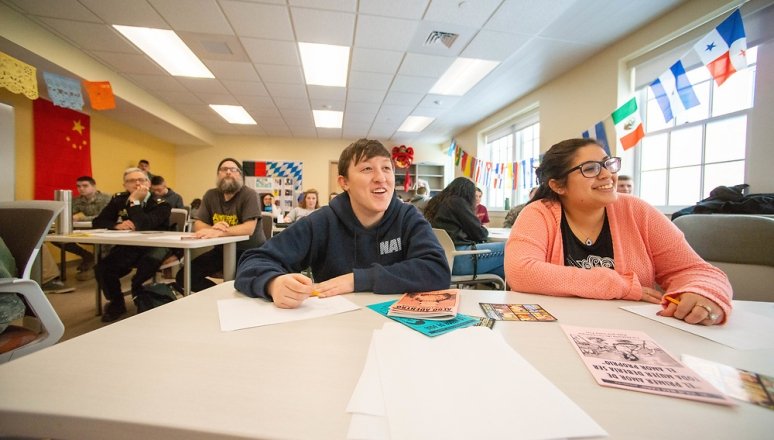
(579,237)
(226,210)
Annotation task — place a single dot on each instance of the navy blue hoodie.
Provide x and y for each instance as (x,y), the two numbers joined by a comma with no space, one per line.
(399,254)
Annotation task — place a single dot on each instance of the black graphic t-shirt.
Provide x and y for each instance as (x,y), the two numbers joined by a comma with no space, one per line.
(578,254)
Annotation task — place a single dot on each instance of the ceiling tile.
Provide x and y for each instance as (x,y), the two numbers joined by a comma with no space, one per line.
(218,98)
(278,131)
(64,9)
(334,5)
(156,82)
(297,117)
(334,133)
(362,108)
(203,85)
(130,63)
(278,90)
(402,98)
(186,98)
(327,104)
(203,16)
(324,27)
(274,73)
(231,70)
(91,36)
(412,84)
(259,104)
(292,104)
(136,13)
(266,116)
(380,132)
(375,60)
(425,65)
(384,33)
(490,45)
(413,9)
(393,114)
(441,101)
(361,95)
(468,13)
(304,131)
(246,88)
(271,52)
(259,20)
(355,132)
(526,17)
(369,80)
(327,93)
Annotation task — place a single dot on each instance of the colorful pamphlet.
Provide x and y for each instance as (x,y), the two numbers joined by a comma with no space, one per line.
(436,305)
(484,322)
(516,312)
(426,326)
(739,384)
(633,361)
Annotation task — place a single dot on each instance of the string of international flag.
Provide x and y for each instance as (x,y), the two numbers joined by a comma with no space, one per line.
(722,51)
(494,174)
(20,77)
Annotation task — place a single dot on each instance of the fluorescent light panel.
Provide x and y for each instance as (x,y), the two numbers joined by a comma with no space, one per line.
(462,75)
(234,114)
(328,118)
(415,124)
(166,49)
(324,64)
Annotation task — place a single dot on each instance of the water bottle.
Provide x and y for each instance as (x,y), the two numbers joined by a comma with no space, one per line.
(64,223)
(507,203)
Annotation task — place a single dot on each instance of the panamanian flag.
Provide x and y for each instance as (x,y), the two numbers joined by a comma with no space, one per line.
(674,91)
(724,50)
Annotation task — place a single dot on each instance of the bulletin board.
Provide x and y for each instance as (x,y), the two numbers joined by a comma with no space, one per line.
(283,179)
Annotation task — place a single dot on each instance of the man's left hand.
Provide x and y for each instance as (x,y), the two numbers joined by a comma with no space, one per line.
(336,286)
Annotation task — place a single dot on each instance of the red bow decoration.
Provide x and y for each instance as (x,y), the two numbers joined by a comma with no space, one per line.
(403,157)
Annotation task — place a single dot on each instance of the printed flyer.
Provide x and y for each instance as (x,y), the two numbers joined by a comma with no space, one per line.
(633,361)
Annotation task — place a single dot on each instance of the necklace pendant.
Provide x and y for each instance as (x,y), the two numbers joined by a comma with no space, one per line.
(589,242)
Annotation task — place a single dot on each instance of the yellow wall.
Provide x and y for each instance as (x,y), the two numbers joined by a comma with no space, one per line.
(114,147)
(196,166)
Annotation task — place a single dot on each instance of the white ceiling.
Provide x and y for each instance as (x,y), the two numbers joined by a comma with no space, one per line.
(251,48)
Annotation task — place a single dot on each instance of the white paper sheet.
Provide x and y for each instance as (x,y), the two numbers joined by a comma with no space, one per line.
(745,330)
(239,313)
(440,388)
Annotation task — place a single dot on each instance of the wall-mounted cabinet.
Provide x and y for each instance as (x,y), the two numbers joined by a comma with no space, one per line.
(434,174)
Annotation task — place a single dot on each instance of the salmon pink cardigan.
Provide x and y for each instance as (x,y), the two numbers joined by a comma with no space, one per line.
(648,251)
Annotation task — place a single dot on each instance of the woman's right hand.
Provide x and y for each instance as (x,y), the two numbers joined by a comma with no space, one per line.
(651,295)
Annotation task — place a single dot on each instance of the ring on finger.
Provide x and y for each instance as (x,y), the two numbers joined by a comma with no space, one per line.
(710,314)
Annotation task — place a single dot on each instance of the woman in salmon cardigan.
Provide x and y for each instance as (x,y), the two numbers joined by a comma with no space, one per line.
(579,237)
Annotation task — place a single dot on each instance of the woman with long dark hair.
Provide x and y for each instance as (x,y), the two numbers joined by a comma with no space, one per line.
(453,210)
(579,237)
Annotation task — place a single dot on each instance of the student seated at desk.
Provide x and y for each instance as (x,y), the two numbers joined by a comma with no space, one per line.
(579,237)
(132,210)
(310,201)
(364,240)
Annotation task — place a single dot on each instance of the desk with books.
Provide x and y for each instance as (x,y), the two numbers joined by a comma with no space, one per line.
(156,239)
(171,373)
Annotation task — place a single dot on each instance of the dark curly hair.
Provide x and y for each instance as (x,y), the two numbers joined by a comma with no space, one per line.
(553,166)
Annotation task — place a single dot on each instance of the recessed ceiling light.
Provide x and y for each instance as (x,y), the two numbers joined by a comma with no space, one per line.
(462,75)
(328,118)
(415,123)
(166,49)
(234,114)
(324,64)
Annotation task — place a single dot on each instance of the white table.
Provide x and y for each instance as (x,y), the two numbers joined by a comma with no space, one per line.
(170,373)
(499,234)
(157,239)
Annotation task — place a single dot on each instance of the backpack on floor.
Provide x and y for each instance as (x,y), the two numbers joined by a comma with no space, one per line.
(152,296)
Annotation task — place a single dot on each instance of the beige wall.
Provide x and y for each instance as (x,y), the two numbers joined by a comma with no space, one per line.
(589,93)
(196,165)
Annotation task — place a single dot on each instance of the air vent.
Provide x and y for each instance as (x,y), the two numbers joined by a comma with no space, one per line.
(437,38)
(217,47)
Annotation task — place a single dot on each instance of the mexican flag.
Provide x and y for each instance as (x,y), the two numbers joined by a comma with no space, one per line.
(628,125)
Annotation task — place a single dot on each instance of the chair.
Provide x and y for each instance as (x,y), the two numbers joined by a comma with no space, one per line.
(267,223)
(178,219)
(23,226)
(738,244)
(465,280)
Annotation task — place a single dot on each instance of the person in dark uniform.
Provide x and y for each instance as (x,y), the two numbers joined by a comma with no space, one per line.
(132,210)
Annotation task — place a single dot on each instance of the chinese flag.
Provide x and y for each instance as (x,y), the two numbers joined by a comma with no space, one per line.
(62,148)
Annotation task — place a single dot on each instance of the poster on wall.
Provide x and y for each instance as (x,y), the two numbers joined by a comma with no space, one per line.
(282,179)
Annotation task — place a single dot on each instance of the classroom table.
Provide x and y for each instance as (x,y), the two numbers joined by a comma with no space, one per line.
(499,234)
(63,254)
(170,373)
(157,239)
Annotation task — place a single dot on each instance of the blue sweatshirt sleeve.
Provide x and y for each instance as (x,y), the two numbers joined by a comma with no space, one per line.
(424,267)
(284,253)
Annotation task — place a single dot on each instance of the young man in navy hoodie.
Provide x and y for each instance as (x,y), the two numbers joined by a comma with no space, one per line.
(365,240)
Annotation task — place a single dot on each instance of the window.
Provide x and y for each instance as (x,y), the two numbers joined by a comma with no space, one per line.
(517,142)
(680,162)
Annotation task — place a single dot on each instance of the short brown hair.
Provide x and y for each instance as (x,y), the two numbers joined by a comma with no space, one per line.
(362,149)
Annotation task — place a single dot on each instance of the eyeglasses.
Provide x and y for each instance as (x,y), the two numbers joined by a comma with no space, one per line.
(137,180)
(592,168)
(233,170)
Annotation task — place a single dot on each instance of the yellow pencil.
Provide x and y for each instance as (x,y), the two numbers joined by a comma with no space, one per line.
(672,300)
